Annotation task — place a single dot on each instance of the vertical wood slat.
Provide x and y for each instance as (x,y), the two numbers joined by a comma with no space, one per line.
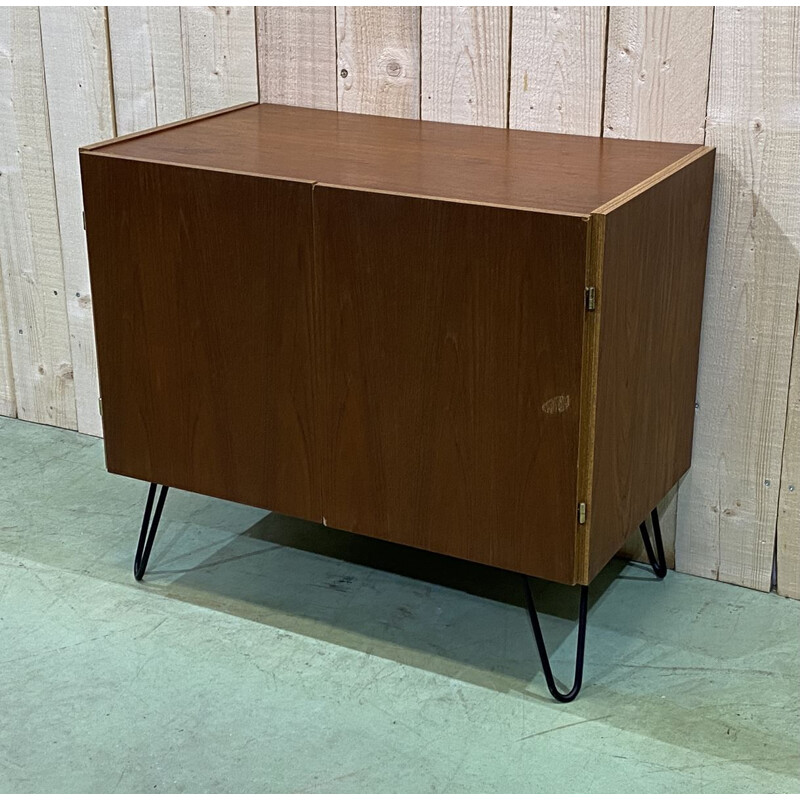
(788,549)
(657,72)
(465,52)
(30,242)
(170,63)
(219,54)
(557,65)
(728,504)
(657,66)
(147,60)
(297,55)
(8,398)
(78,79)
(379,60)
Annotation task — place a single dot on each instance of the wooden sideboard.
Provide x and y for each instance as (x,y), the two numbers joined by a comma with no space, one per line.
(474,341)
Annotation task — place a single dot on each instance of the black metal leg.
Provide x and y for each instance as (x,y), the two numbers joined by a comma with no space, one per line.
(537,634)
(149,528)
(659,564)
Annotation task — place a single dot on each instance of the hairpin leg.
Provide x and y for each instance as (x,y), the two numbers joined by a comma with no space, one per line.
(540,645)
(659,564)
(149,528)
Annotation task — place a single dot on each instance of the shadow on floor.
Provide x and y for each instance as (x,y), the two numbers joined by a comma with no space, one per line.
(398,602)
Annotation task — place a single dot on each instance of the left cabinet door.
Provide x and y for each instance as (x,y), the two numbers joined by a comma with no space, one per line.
(203,305)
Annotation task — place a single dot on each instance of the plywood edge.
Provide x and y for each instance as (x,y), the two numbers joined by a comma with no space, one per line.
(166,126)
(655,178)
(595,243)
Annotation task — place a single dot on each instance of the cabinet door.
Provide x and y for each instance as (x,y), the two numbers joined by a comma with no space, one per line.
(450,358)
(202,289)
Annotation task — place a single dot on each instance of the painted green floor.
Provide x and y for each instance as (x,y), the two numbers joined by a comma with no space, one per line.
(267,654)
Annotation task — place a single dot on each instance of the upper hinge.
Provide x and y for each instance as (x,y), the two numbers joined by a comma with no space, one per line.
(100,405)
(591,298)
(83,215)
(581,513)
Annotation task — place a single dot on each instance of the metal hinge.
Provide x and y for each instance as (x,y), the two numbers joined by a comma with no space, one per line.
(591,298)
(581,513)
(83,214)
(100,405)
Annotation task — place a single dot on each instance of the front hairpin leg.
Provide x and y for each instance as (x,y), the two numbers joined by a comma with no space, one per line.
(659,564)
(149,527)
(540,645)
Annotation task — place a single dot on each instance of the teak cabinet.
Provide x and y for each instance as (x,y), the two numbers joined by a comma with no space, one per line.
(474,341)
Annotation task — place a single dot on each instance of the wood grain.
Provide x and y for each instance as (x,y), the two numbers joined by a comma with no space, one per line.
(465,53)
(451,376)
(8,401)
(8,398)
(204,330)
(219,55)
(788,549)
(30,243)
(78,80)
(459,162)
(657,72)
(727,508)
(147,64)
(650,293)
(297,55)
(379,60)
(557,64)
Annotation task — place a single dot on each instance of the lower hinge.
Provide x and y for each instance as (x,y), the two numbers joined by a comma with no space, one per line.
(591,298)
(581,513)
(100,405)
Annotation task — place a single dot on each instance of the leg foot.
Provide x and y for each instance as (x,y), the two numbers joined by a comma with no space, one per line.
(540,645)
(659,564)
(149,528)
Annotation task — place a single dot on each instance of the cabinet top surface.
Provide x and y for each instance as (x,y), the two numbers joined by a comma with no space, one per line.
(490,166)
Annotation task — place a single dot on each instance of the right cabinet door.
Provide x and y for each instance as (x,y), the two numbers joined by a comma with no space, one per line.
(449,341)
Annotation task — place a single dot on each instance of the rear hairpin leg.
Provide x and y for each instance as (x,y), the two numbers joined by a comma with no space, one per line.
(149,528)
(659,564)
(537,634)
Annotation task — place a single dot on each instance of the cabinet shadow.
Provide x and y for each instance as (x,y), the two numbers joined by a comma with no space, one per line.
(426,610)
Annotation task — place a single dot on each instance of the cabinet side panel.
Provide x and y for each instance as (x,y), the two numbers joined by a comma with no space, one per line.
(450,397)
(650,303)
(202,291)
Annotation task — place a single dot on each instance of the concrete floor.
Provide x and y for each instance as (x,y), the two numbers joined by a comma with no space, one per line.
(265,654)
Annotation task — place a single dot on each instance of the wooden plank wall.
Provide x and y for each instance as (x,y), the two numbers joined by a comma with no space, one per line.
(728,505)
(724,76)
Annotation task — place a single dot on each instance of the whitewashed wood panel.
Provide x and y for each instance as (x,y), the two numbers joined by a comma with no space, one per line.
(78,79)
(30,244)
(557,66)
(657,72)
(379,60)
(147,65)
(219,53)
(297,55)
(465,52)
(727,508)
(788,551)
(8,398)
